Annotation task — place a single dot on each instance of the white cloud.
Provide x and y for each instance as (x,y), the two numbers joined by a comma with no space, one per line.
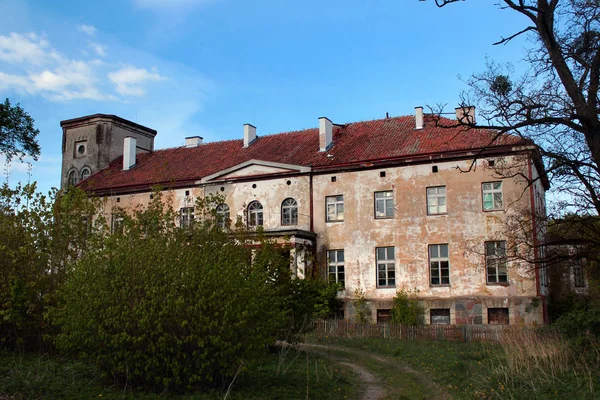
(25,48)
(99,49)
(129,80)
(87,29)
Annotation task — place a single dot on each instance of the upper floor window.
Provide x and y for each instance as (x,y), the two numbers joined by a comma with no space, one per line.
(116,223)
(222,211)
(80,148)
(436,200)
(335,208)
(439,264)
(72,179)
(492,196)
(384,204)
(495,262)
(255,214)
(85,173)
(289,212)
(335,264)
(578,278)
(186,217)
(386,267)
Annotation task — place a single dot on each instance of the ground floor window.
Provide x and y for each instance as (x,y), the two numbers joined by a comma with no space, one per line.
(440,316)
(384,316)
(498,316)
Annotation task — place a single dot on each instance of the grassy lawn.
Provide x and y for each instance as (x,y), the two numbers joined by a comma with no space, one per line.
(43,377)
(474,370)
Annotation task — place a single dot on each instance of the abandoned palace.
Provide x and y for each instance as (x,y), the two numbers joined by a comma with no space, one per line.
(412,202)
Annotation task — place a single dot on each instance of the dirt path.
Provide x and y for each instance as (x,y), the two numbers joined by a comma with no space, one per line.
(374,387)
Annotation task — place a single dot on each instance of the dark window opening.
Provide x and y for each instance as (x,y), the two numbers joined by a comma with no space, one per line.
(382,174)
(498,316)
(434,169)
(384,316)
(333,179)
(440,316)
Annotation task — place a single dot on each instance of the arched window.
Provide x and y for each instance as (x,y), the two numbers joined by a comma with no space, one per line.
(72,179)
(222,215)
(289,212)
(255,214)
(85,173)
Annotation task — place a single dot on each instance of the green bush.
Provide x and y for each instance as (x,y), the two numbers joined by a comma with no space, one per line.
(168,308)
(406,309)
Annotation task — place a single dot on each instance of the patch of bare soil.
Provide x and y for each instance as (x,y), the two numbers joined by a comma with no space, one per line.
(435,390)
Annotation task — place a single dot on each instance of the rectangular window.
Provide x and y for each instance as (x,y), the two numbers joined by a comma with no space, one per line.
(439,264)
(495,262)
(335,208)
(436,200)
(384,204)
(384,316)
(492,196)
(386,267)
(578,278)
(116,223)
(440,316)
(498,316)
(335,262)
(186,217)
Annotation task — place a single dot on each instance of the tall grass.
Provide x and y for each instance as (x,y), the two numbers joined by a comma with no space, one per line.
(538,361)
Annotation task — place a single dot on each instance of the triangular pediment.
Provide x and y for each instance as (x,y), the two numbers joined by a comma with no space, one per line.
(255,168)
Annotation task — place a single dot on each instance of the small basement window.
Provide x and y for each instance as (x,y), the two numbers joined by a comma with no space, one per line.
(384,316)
(440,316)
(382,174)
(498,316)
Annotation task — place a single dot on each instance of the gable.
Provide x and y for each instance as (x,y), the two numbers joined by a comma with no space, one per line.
(255,168)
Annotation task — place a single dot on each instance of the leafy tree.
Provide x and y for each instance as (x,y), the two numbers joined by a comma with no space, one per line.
(17,133)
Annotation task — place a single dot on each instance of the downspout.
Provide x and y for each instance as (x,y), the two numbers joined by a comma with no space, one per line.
(310,185)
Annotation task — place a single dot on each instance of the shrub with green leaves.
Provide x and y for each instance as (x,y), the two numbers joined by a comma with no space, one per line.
(406,309)
(165,307)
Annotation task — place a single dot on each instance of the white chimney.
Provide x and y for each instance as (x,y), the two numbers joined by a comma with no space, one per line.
(419,117)
(465,115)
(193,141)
(325,133)
(249,134)
(129,148)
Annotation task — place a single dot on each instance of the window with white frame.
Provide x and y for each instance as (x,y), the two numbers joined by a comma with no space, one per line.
(255,214)
(335,263)
(439,316)
(386,267)
(222,212)
(335,208)
(72,179)
(439,264)
(289,212)
(186,217)
(578,277)
(384,204)
(495,262)
(436,200)
(116,223)
(85,173)
(492,196)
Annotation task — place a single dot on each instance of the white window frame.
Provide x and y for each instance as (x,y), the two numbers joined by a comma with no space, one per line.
(436,200)
(492,190)
(496,263)
(186,217)
(255,214)
(334,208)
(384,204)
(386,266)
(289,212)
(116,223)
(336,271)
(222,214)
(83,171)
(436,265)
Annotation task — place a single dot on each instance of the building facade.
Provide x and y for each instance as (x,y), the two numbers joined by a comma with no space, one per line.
(414,203)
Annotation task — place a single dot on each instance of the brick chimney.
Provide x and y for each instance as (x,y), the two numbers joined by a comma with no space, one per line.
(325,133)
(249,134)
(129,149)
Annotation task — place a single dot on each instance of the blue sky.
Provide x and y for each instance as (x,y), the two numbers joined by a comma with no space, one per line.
(206,67)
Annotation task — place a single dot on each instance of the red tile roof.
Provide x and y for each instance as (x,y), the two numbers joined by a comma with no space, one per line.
(367,141)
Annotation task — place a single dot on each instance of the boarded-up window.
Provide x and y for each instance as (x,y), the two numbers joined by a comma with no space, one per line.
(384,316)
(440,316)
(498,316)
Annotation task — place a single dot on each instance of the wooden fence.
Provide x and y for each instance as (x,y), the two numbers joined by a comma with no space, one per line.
(455,333)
